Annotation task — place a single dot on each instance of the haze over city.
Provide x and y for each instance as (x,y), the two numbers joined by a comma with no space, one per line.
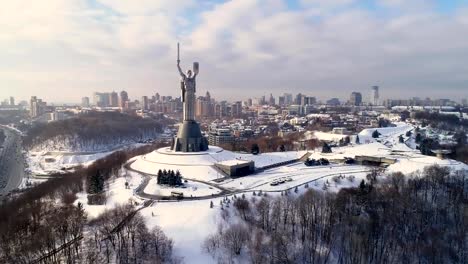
(63,50)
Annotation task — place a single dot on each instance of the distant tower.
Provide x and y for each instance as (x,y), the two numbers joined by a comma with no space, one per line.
(12,100)
(123,99)
(356,98)
(113,99)
(374,99)
(271,100)
(85,102)
(144,103)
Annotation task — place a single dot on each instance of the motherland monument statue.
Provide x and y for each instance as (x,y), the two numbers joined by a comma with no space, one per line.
(189,137)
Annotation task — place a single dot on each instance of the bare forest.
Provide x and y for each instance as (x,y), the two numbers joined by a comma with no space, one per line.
(94,131)
(417,218)
(44,224)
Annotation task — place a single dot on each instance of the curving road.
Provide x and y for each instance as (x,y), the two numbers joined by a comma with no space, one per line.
(11,161)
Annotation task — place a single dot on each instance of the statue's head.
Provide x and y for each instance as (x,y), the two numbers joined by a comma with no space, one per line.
(189,73)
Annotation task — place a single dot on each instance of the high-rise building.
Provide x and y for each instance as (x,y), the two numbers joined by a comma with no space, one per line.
(101,99)
(157,97)
(288,98)
(308,100)
(123,99)
(36,107)
(374,99)
(298,99)
(281,101)
(85,102)
(355,99)
(113,99)
(236,109)
(144,103)
(271,101)
(12,101)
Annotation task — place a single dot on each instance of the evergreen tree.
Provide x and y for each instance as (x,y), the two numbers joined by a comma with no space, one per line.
(362,185)
(418,138)
(159,177)
(326,148)
(357,139)
(401,139)
(282,148)
(255,149)
(375,134)
(95,182)
(347,140)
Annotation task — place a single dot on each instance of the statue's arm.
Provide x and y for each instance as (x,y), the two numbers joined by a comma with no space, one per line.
(180,71)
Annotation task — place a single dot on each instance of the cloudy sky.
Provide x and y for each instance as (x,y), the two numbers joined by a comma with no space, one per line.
(62,50)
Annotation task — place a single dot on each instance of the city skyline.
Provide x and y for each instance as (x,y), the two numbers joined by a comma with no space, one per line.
(321,48)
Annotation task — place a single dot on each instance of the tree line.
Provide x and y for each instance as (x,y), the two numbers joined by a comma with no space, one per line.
(43,225)
(401,219)
(169,177)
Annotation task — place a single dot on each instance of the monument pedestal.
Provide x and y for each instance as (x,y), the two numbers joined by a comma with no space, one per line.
(189,138)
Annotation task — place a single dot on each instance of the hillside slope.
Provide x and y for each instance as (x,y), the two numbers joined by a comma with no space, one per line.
(96,131)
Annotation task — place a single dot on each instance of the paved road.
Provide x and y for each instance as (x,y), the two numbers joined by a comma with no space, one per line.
(11,161)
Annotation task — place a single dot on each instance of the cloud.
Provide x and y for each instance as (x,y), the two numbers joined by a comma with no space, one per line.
(253,47)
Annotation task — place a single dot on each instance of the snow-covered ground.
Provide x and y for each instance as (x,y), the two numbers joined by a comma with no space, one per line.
(417,162)
(189,222)
(200,166)
(46,162)
(324,136)
(117,194)
(189,189)
(298,173)
(389,134)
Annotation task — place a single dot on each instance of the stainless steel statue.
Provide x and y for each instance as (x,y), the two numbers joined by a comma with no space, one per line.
(189,137)
(188,86)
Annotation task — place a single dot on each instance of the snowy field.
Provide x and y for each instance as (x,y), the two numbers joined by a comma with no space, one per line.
(117,194)
(201,166)
(46,162)
(387,133)
(299,174)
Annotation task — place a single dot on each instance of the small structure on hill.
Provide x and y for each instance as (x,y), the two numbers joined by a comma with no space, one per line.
(374,161)
(236,167)
(441,153)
